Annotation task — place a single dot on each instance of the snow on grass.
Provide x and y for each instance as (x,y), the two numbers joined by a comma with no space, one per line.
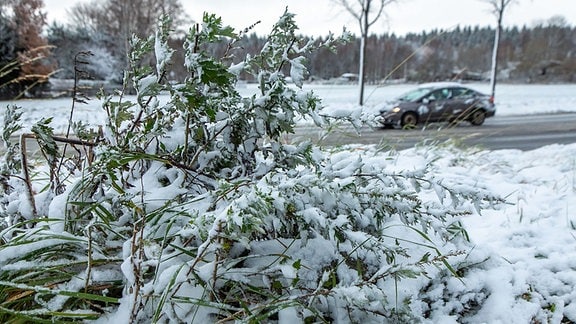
(534,236)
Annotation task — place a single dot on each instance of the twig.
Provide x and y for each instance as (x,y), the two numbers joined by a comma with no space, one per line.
(78,73)
(27,181)
(216,261)
(89,261)
(24,161)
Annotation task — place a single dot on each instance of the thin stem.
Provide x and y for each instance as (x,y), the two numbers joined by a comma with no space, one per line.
(27,181)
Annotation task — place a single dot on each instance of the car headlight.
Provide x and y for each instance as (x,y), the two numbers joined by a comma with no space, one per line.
(395,110)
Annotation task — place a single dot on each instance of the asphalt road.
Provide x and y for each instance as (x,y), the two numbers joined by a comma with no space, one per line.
(500,132)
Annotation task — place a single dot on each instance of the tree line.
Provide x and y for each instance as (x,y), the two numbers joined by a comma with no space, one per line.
(544,52)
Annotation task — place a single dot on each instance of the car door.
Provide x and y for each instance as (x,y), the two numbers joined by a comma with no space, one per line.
(439,106)
(462,102)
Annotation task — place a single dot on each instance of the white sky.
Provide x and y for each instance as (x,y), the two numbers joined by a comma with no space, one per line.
(317,17)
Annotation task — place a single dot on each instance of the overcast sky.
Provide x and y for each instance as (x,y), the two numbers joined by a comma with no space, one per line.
(318,17)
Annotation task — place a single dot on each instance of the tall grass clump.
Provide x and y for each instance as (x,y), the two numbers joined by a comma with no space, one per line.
(194,209)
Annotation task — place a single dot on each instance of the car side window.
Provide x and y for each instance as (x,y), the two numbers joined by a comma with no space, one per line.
(462,93)
(441,94)
(444,94)
(432,96)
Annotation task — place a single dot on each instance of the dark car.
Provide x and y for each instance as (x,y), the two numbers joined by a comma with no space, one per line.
(438,102)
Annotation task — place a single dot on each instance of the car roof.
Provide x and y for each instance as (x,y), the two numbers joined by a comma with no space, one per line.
(437,85)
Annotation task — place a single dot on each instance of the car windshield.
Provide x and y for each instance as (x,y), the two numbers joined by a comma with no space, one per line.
(414,94)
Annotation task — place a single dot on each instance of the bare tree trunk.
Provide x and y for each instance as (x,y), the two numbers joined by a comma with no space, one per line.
(365,25)
(494,72)
(499,6)
(362,69)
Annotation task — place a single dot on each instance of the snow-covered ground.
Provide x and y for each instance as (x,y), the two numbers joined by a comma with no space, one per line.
(534,235)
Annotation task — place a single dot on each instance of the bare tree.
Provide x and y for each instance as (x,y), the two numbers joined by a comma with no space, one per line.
(126,17)
(557,38)
(366,12)
(119,19)
(498,8)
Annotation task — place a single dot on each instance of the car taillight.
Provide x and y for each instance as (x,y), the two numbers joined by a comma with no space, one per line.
(491,100)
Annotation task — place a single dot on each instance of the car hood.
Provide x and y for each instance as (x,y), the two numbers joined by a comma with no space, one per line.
(388,105)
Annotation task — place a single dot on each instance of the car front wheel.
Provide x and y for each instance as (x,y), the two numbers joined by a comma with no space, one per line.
(409,120)
(477,118)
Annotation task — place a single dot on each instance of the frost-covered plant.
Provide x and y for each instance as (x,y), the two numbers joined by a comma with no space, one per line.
(195,209)
(11,161)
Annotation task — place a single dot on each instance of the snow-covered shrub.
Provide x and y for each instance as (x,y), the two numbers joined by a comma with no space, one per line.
(196,210)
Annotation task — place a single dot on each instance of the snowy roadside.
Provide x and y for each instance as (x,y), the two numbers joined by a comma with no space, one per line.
(338,100)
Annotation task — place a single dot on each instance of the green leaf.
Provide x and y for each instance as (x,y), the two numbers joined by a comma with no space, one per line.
(44,136)
(297,264)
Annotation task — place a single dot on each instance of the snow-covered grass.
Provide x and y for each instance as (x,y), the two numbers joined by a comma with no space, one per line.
(533,236)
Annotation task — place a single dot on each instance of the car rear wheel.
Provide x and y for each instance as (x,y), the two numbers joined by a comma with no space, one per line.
(409,120)
(478,117)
